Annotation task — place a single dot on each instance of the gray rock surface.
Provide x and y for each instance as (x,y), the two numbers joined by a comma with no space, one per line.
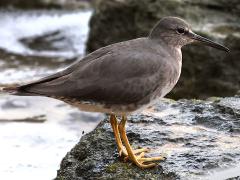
(206,71)
(200,138)
(55,41)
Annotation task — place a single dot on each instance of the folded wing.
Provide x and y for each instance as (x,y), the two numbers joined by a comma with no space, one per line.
(112,75)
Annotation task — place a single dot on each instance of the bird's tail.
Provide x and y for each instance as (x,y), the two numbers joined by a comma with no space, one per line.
(14,90)
(11,89)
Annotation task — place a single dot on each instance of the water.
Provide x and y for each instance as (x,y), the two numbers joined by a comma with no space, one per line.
(19,25)
(19,62)
(37,132)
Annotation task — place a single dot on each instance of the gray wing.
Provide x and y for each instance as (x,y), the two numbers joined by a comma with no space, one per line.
(69,70)
(118,74)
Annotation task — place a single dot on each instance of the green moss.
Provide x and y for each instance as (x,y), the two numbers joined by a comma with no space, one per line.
(112,168)
(119,165)
(196,100)
(168,100)
(122,167)
(214,99)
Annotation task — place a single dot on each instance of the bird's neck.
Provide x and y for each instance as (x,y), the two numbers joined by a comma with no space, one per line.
(173,49)
(177,53)
(165,39)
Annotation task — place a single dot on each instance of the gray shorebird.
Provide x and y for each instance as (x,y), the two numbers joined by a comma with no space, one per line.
(122,78)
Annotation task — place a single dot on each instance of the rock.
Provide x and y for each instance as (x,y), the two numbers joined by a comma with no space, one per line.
(18,60)
(198,137)
(20,68)
(51,41)
(234,178)
(59,4)
(206,71)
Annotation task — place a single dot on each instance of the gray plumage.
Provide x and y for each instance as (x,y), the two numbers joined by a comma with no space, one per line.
(124,76)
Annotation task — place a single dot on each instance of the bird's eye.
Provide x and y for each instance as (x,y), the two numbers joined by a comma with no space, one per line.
(180,30)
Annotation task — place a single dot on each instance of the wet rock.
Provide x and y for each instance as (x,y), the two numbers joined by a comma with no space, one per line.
(34,119)
(206,71)
(18,68)
(195,135)
(49,41)
(12,60)
(55,42)
(234,178)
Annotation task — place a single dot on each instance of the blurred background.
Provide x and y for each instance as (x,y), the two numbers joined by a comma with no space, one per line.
(41,37)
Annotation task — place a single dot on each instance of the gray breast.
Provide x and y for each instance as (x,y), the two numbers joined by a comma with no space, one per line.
(169,74)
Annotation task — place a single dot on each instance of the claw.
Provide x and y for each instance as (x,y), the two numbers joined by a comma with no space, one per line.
(160,158)
(151,165)
(141,150)
(120,152)
(137,151)
(140,155)
(125,159)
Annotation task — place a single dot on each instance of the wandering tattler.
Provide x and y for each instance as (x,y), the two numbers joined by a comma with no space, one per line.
(122,78)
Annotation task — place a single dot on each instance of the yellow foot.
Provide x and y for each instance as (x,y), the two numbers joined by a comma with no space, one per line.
(138,152)
(126,152)
(150,159)
(133,156)
(122,152)
(140,159)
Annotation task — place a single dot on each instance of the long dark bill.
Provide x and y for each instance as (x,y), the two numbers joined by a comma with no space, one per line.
(207,42)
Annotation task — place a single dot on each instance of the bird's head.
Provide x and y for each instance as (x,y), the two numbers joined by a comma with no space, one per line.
(177,32)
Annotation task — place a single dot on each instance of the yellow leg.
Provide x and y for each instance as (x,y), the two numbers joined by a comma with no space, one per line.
(121,149)
(114,124)
(136,159)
